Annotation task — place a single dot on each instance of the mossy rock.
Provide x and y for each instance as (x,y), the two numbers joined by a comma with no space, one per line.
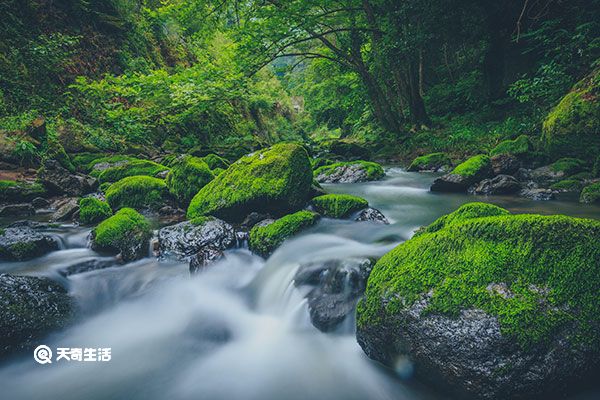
(265,239)
(338,205)
(218,171)
(93,210)
(567,185)
(520,147)
(430,162)
(276,180)
(590,193)
(214,161)
(96,165)
(516,294)
(131,168)
(15,191)
(53,150)
(188,175)
(126,232)
(139,192)
(476,167)
(320,162)
(568,166)
(81,161)
(349,172)
(572,128)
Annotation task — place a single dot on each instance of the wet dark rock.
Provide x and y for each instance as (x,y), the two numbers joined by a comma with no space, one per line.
(544,176)
(347,173)
(253,218)
(17,210)
(451,183)
(187,238)
(23,243)
(58,180)
(372,215)
(162,174)
(32,307)
(539,194)
(501,184)
(203,258)
(505,164)
(337,286)
(40,203)
(65,209)
(88,265)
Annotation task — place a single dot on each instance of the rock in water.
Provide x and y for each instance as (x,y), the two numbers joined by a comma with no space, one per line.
(58,180)
(127,232)
(267,235)
(31,308)
(23,243)
(501,184)
(187,238)
(489,304)
(371,215)
(276,180)
(349,172)
(203,258)
(464,175)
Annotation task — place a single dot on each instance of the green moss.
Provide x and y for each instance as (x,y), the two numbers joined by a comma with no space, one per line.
(429,162)
(139,192)
(320,162)
(338,205)
(568,165)
(104,186)
(548,263)
(93,210)
(473,166)
(53,150)
(581,176)
(119,231)
(567,185)
(23,250)
(110,159)
(519,146)
(20,191)
(187,176)
(218,171)
(572,127)
(374,170)
(132,168)
(590,193)
(275,180)
(265,239)
(466,212)
(214,161)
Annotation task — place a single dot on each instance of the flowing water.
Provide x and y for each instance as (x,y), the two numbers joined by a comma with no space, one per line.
(239,330)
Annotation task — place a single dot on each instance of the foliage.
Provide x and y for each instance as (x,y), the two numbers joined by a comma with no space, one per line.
(338,205)
(265,239)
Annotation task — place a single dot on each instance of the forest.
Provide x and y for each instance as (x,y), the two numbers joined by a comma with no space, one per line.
(337,199)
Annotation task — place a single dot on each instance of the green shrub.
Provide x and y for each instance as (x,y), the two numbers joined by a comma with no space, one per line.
(139,192)
(93,210)
(338,205)
(265,239)
(187,176)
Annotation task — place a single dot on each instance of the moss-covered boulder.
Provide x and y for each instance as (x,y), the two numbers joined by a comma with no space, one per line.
(464,175)
(520,147)
(276,180)
(349,172)
(430,162)
(567,185)
(127,233)
(93,210)
(338,205)
(188,175)
(264,239)
(139,192)
(131,168)
(15,191)
(590,193)
(490,304)
(572,128)
(214,161)
(32,307)
(95,163)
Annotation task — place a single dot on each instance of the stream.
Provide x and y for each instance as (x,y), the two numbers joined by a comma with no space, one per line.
(240,329)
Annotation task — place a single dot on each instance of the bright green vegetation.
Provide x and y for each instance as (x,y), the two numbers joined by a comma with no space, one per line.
(430,161)
(590,193)
(265,239)
(187,176)
(217,171)
(374,170)
(548,263)
(93,210)
(320,162)
(569,166)
(89,161)
(275,180)
(132,168)
(567,185)
(465,212)
(20,191)
(474,166)
(571,128)
(124,229)
(214,161)
(338,205)
(139,192)
(519,146)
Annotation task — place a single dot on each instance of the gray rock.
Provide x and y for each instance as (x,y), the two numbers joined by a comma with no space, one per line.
(346,173)
(372,215)
(505,164)
(501,184)
(40,203)
(88,265)
(65,209)
(17,210)
(544,175)
(31,308)
(336,287)
(186,239)
(538,194)
(203,258)
(58,180)
(162,174)
(451,183)
(23,243)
